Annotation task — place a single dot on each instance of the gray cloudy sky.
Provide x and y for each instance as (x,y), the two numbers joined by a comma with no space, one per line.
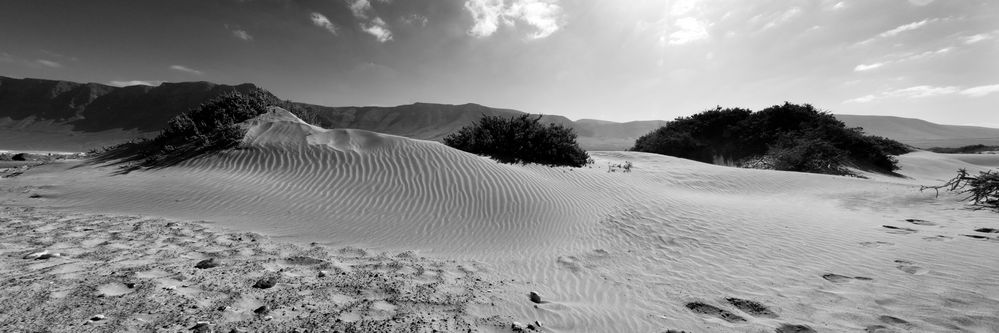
(606,59)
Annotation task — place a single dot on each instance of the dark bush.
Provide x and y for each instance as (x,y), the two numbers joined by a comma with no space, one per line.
(522,139)
(972,149)
(784,137)
(210,127)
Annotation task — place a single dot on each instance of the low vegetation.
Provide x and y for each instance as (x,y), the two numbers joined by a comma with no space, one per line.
(788,137)
(972,149)
(210,127)
(982,190)
(522,139)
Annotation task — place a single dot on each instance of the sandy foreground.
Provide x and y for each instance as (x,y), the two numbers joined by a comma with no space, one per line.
(84,272)
(410,235)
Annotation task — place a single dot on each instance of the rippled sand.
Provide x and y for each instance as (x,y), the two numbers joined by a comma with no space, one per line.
(673,244)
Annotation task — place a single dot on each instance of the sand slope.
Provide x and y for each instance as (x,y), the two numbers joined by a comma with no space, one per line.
(663,246)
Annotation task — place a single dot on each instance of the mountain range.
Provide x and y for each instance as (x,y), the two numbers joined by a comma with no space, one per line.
(51,115)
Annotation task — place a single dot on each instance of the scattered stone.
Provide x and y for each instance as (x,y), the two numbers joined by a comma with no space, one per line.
(535,297)
(987,230)
(207,263)
(323,274)
(518,327)
(202,327)
(263,310)
(266,282)
(98,317)
(239,330)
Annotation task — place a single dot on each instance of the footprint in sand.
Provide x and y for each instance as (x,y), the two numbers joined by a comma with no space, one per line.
(898,230)
(791,328)
(876,244)
(988,230)
(938,238)
(910,267)
(836,278)
(919,222)
(714,311)
(976,236)
(753,308)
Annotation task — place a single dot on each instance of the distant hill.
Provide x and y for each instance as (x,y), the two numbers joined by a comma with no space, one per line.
(921,133)
(37,114)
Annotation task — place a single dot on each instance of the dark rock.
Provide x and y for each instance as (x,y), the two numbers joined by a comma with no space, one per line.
(263,310)
(535,297)
(266,282)
(208,263)
(202,327)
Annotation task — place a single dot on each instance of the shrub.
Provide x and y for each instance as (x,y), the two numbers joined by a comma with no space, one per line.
(982,190)
(522,139)
(212,126)
(783,137)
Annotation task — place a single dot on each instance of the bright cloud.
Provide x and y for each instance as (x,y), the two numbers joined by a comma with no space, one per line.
(689,29)
(370,23)
(545,16)
(359,7)
(906,27)
(863,67)
(48,63)
(980,91)
(839,5)
(379,29)
(134,83)
(924,91)
(184,69)
(321,21)
(976,38)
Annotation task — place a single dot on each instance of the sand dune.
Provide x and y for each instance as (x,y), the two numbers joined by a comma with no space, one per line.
(672,244)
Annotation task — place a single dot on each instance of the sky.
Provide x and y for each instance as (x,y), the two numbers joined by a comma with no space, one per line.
(618,60)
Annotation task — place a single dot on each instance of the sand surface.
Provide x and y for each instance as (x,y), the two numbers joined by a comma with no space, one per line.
(673,244)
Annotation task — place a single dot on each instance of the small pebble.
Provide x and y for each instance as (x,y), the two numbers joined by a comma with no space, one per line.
(535,297)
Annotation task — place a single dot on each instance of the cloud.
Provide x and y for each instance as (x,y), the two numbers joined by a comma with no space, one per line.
(689,29)
(863,67)
(6,57)
(925,91)
(186,70)
(784,17)
(370,23)
(359,7)
(486,14)
(920,2)
(980,91)
(906,27)
(321,21)
(48,63)
(839,5)
(545,16)
(976,38)
(134,83)
(921,91)
(378,29)
(242,34)
(899,29)
(862,99)
(542,15)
